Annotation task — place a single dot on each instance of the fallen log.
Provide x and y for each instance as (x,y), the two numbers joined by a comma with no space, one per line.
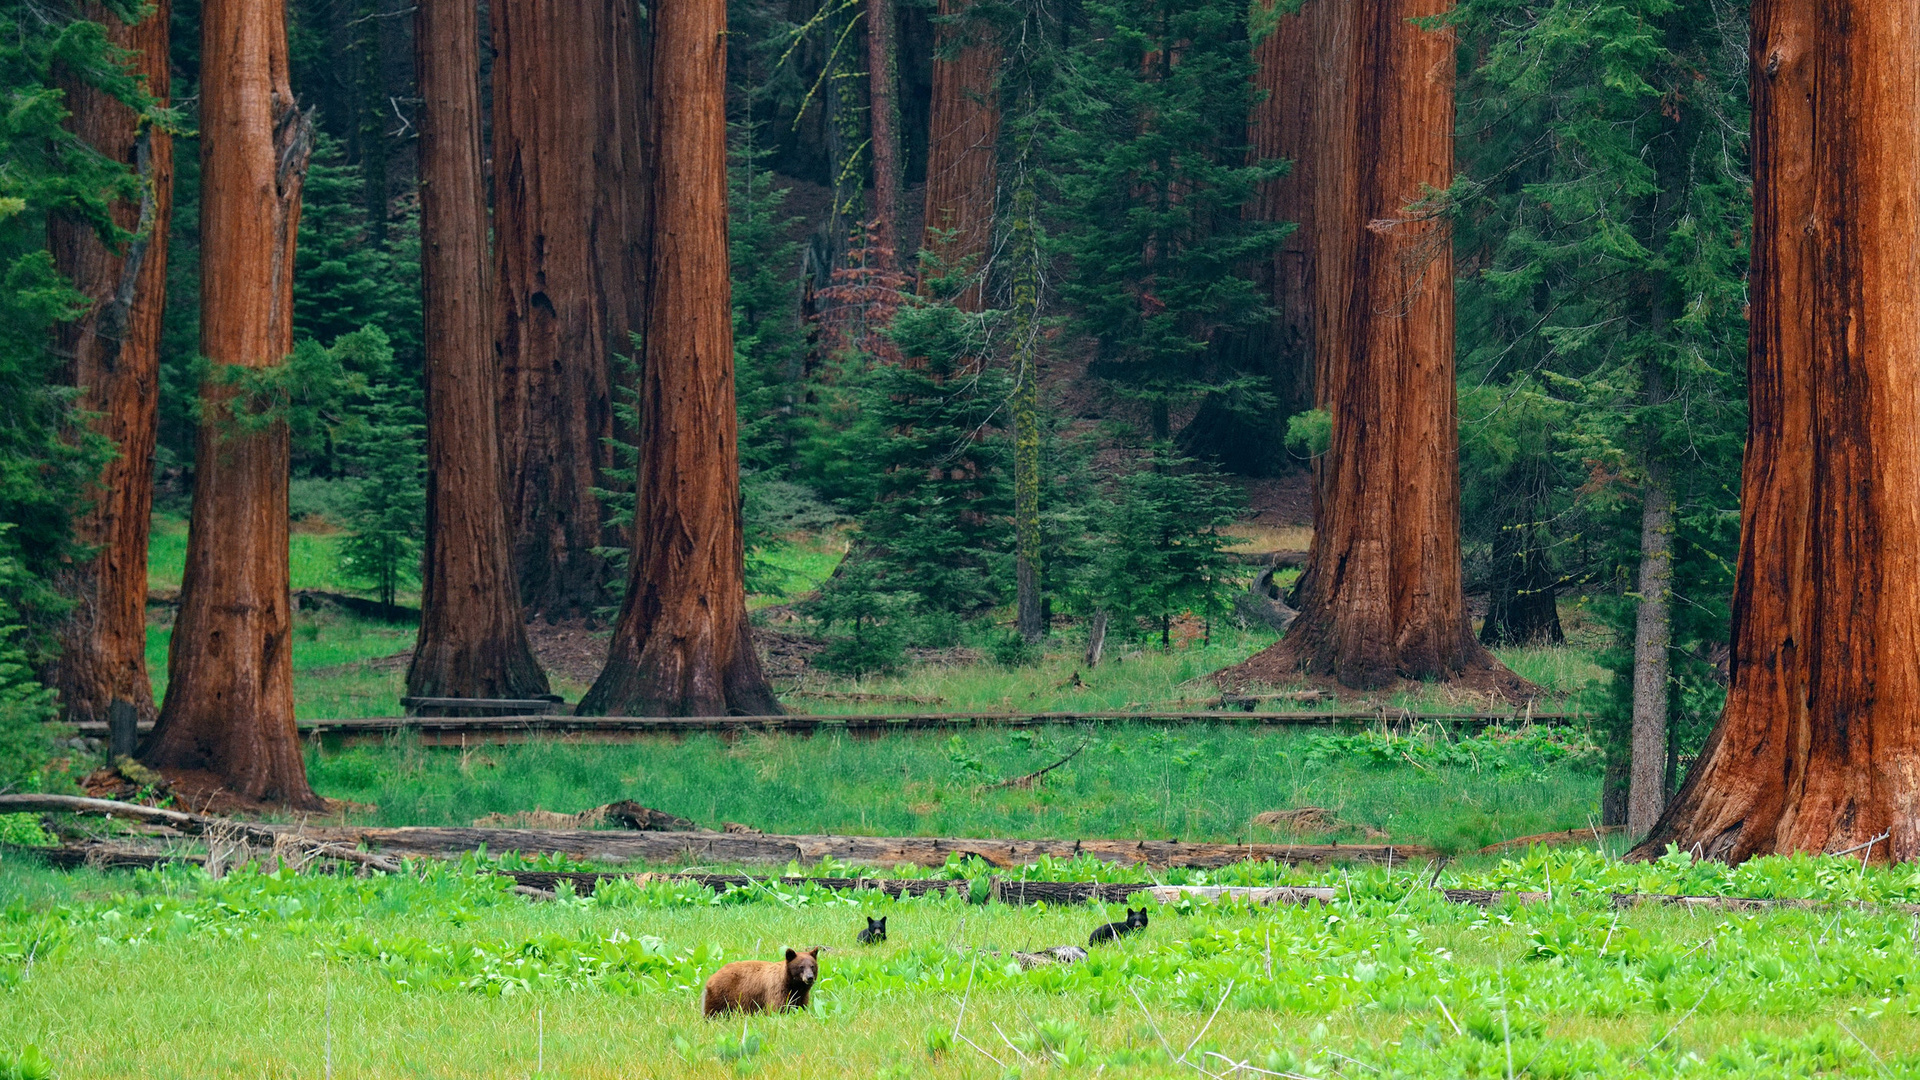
(467,730)
(741,848)
(295,839)
(1570,836)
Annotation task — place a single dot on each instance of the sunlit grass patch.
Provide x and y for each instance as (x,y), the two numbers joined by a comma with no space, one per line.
(446,973)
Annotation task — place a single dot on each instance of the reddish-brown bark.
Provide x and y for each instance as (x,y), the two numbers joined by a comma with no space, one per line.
(1818,748)
(568,211)
(965,126)
(114,358)
(682,646)
(229,706)
(473,641)
(1283,127)
(1382,598)
(883,111)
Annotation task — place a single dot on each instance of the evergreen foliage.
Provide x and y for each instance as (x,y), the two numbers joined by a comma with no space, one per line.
(1606,198)
(1146,144)
(386,448)
(1158,551)
(932,515)
(46,458)
(26,707)
(344,276)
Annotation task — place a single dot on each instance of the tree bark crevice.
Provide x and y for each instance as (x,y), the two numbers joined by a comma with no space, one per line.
(473,640)
(115,363)
(229,704)
(682,645)
(1817,748)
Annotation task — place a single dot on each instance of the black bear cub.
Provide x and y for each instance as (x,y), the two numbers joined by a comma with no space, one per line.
(1136,920)
(876,931)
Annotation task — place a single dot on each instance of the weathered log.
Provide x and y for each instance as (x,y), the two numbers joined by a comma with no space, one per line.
(198,825)
(669,847)
(466,730)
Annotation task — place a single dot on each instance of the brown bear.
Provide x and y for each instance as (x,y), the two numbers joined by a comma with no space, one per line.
(751,986)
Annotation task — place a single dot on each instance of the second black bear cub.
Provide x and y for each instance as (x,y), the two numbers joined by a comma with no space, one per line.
(876,931)
(1136,920)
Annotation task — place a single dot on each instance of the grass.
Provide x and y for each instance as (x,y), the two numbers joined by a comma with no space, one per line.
(1132,781)
(330,676)
(313,557)
(448,975)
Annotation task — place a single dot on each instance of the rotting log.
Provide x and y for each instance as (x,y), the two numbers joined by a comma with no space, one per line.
(274,836)
(468,730)
(747,848)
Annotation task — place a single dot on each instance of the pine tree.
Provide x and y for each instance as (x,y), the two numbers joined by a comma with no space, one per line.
(1147,146)
(344,276)
(1608,206)
(1159,549)
(388,511)
(932,514)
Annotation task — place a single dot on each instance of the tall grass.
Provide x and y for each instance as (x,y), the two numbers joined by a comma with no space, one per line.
(1131,781)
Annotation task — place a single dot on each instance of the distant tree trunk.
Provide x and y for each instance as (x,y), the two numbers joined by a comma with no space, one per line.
(229,706)
(473,641)
(965,127)
(1523,608)
(1027,256)
(1817,749)
(114,358)
(1382,596)
(1284,126)
(883,109)
(1652,637)
(566,114)
(682,646)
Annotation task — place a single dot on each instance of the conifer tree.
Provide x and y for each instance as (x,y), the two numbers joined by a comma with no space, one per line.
(113,360)
(1606,322)
(1146,143)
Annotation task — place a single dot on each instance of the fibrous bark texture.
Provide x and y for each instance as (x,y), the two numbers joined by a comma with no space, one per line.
(883,111)
(1382,597)
(1652,636)
(114,358)
(1283,126)
(229,705)
(569,209)
(965,127)
(473,641)
(1819,745)
(682,646)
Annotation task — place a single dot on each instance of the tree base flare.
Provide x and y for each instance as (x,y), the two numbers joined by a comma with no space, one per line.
(1287,663)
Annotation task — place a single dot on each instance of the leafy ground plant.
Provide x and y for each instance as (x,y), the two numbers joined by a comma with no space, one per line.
(444,972)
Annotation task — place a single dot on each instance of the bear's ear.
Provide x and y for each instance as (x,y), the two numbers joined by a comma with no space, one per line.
(883,922)
(791,954)
(814,952)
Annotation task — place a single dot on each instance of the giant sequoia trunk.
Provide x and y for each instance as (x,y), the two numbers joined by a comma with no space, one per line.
(473,642)
(1819,747)
(568,208)
(965,126)
(1283,126)
(229,706)
(682,646)
(114,359)
(1382,596)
